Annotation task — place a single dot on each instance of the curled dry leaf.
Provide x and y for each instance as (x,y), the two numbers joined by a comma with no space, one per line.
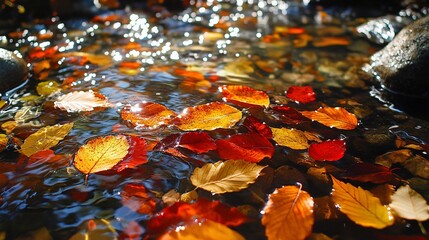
(207,117)
(45,138)
(244,96)
(361,206)
(331,150)
(292,138)
(80,101)
(301,94)
(251,147)
(208,230)
(333,117)
(100,154)
(227,176)
(409,204)
(147,115)
(288,214)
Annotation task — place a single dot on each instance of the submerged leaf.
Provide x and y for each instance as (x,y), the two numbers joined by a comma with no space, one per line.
(147,115)
(244,96)
(135,197)
(80,101)
(333,117)
(292,138)
(361,206)
(301,94)
(409,204)
(227,176)
(288,214)
(331,150)
(208,117)
(45,138)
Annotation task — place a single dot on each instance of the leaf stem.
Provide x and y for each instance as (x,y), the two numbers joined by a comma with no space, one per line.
(422,228)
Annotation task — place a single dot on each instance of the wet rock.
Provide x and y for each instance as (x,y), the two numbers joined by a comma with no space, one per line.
(383,29)
(13,70)
(401,66)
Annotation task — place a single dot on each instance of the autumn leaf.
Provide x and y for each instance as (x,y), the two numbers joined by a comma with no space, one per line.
(207,117)
(368,172)
(45,138)
(292,138)
(44,161)
(255,126)
(227,176)
(301,94)
(361,206)
(132,231)
(100,154)
(409,204)
(251,147)
(288,115)
(47,88)
(135,197)
(147,115)
(80,101)
(136,155)
(333,117)
(199,142)
(244,96)
(288,214)
(331,150)
(101,60)
(207,230)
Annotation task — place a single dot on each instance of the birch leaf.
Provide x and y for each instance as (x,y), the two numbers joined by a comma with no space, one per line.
(409,204)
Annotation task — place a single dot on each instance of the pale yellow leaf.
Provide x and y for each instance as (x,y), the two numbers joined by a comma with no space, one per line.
(292,138)
(288,214)
(409,204)
(207,230)
(81,101)
(361,206)
(45,138)
(227,176)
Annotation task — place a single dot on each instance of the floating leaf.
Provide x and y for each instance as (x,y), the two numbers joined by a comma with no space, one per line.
(207,230)
(251,147)
(331,150)
(81,101)
(288,214)
(227,176)
(47,88)
(181,212)
(135,197)
(147,115)
(136,156)
(101,60)
(199,142)
(100,154)
(333,117)
(368,172)
(292,138)
(244,96)
(45,138)
(409,204)
(301,94)
(256,126)
(361,206)
(208,117)
(288,115)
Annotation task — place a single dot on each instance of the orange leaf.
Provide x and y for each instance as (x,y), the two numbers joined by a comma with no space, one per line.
(244,96)
(81,101)
(101,153)
(208,117)
(135,197)
(147,115)
(333,117)
(288,214)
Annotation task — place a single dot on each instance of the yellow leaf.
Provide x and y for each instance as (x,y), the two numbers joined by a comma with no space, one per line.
(9,126)
(81,101)
(4,141)
(45,138)
(409,204)
(47,88)
(288,214)
(361,206)
(101,153)
(227,176)
(207,230)
(101,60)
(208,117)
(333,117)
(246,96)
(292,138)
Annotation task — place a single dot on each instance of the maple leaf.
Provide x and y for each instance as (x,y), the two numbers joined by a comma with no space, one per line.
(409,204)
(288,214)
(331,150)
(45,138)
(244,96)
(147,115)
(81,101)
(227,176)
(292,138)
(207,117)
(333,117)
(301,94)
(361,206)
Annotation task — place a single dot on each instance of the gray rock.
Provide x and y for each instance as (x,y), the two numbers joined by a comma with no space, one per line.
(403,65)
(13,70)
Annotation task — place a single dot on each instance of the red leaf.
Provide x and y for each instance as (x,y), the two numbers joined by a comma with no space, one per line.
(199,142)
(288,115)
(256,126)
(368,172)
(45,160)
(331,150)
(132,231)
(136,156)
(181,212)
(251,147)
(135,197)
(301,94)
